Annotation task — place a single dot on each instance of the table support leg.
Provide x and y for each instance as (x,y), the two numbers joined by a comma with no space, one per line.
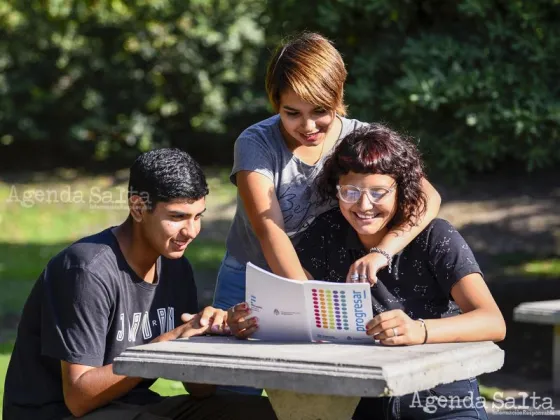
(556,361)
(290,405)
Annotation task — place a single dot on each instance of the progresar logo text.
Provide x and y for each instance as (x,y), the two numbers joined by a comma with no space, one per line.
(358,298)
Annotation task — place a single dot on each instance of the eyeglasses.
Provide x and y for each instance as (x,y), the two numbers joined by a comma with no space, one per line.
(352,194)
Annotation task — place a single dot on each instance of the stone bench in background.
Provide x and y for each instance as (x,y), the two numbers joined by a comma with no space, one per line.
(544,312)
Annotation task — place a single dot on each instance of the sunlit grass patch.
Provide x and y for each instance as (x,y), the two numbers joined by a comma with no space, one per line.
(546,267)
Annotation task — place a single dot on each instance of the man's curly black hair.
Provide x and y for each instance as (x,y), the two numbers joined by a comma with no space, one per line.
(162,175)
(376,149)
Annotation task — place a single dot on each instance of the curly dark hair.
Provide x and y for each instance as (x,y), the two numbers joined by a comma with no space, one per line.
(376,149)
(162,175)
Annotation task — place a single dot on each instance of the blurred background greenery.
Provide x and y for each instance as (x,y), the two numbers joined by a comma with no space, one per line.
(87,85)
(94,82)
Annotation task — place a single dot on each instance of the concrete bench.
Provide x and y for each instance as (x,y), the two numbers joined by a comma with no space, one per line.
(544,312)
(311,380)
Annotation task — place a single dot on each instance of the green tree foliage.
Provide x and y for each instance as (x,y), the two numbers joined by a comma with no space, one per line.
(476,81)
(107,76)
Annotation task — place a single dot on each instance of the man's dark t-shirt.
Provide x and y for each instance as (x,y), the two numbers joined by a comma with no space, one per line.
(87,307)
(422,276)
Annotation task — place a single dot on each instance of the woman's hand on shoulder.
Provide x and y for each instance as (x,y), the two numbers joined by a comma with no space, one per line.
(238,322)
(396,328)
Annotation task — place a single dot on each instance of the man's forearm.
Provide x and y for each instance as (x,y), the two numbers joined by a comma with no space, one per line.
(96,388)
(87,388)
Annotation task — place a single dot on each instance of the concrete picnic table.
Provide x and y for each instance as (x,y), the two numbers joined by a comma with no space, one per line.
(311,380)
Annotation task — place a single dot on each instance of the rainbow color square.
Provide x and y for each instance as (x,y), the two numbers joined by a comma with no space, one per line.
(330,309)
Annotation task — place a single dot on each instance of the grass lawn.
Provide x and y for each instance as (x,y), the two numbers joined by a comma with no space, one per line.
(5,350)
(549,267)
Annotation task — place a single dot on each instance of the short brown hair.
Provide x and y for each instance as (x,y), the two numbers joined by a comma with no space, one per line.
(312,67)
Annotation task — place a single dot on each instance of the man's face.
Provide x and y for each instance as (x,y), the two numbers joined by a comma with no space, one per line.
(172,226)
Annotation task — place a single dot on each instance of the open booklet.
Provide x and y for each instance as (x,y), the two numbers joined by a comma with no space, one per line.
(291,310)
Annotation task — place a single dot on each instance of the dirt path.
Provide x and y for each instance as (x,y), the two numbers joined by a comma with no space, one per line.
(513,214)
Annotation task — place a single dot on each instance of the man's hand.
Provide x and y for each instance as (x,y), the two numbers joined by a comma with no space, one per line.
(237,320)
(208,321)
(215,320)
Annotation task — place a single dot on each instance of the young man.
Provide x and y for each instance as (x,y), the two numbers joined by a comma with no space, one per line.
(125,286)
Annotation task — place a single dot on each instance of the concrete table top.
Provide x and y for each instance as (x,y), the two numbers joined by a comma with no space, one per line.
(319,368)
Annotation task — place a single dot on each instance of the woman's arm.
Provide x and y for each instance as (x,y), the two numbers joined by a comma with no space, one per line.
(400,236)
(263,210)
(481,319)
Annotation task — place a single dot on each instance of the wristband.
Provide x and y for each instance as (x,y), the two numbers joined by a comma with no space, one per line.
(385,254)
(425,330)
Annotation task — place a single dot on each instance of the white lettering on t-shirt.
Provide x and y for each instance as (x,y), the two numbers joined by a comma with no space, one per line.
(146,329)
(162,315)
(170,318)
(133,329)
(120,333)
(166,317)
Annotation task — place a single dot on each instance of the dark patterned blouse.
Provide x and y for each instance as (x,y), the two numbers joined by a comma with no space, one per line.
(422,276)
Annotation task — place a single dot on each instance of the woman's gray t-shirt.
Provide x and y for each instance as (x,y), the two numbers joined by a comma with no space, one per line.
(261,148)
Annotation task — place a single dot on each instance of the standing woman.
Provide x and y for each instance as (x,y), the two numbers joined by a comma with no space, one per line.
(275,165)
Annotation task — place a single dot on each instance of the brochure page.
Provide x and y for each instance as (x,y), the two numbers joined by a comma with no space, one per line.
(279,303)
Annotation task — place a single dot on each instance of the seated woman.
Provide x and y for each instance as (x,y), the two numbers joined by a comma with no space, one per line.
(431,292)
